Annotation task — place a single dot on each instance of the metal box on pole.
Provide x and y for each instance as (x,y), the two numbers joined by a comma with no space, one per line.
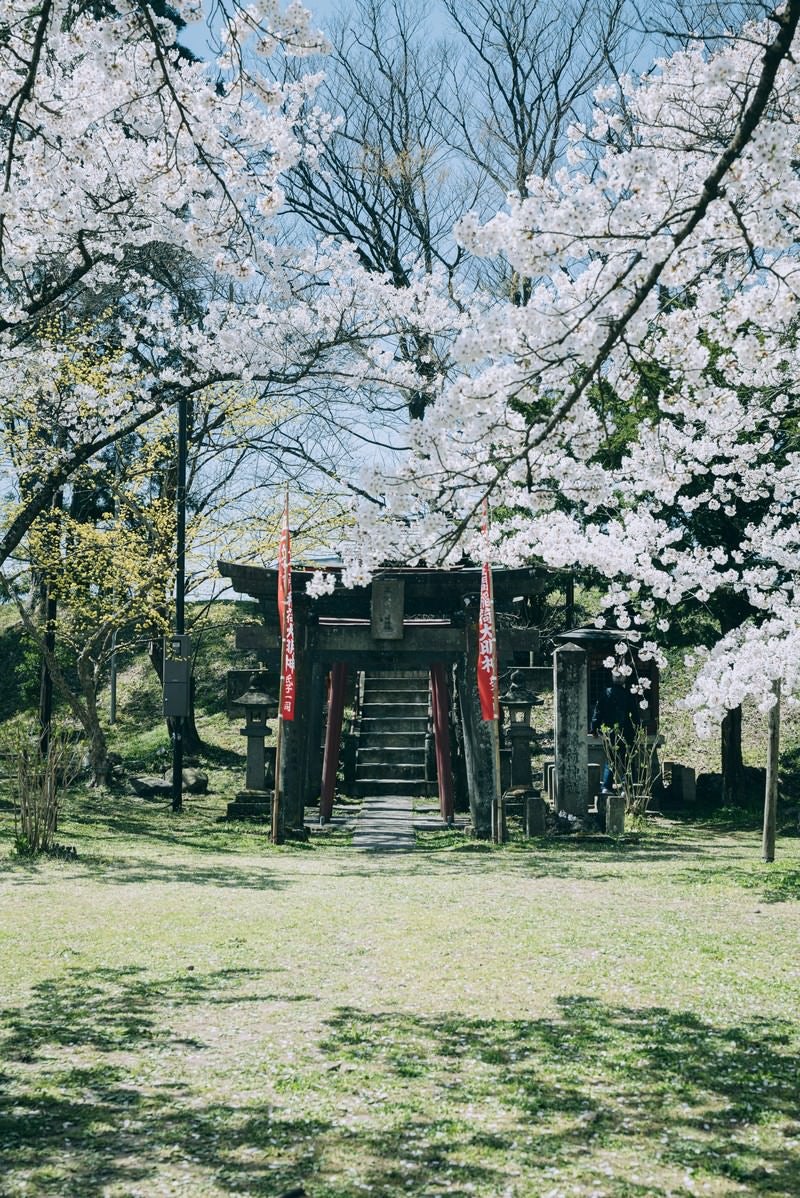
(177,675)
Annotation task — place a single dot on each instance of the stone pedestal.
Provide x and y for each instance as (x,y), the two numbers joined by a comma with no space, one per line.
(535,815)
(520,736)
(683,787)
(571,706)
(251,804)
(254,802)
(256,771)
(615,814)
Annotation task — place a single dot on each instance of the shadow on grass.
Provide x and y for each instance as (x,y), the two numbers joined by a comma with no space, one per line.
(122,871)
(74,1120)
(629,1101)
(775,882)
(92,818)
(445,852)
(219,756)
(650,1088)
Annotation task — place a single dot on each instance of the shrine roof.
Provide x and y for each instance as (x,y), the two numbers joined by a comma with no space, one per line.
(427,592)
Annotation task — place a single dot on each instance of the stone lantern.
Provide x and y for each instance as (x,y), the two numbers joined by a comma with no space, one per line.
(518,701)
(255,800)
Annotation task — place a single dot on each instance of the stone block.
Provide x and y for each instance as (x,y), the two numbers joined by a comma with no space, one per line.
(684,784)
(297,832)
(570,674)
(535,815)
(615,814)
(151,786)
(250,805)
(195,782)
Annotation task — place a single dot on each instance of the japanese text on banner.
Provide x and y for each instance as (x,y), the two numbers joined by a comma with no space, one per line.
(286,616)
(487,649)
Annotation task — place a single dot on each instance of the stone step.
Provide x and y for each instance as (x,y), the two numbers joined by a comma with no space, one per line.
(390,758)
(395,696)
(389,711)
(388,786)
(393,685)
(413,771)
(389,739)
(396,724)
(393,675)
(406,754)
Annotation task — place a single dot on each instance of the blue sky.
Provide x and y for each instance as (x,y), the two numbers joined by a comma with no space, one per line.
(194,36)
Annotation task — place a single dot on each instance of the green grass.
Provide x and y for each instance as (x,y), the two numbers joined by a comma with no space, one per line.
(187,1010)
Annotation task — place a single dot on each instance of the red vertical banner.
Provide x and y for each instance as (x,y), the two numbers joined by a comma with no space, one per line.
(487,641)
(286,617)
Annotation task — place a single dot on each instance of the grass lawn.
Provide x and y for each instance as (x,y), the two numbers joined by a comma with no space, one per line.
(186,1010)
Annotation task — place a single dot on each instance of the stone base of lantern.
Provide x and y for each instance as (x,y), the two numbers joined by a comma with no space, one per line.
(251,804)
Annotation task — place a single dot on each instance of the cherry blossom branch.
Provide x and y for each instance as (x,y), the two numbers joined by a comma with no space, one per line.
(19,99)
(774,55)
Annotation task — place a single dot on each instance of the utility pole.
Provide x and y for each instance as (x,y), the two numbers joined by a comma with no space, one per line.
(180,587)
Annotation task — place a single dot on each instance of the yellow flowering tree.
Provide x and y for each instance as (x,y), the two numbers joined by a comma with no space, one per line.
(98,559)
(109,581)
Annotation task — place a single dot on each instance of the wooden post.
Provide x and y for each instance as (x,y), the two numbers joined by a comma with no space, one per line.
(495,723)
(333,740)
(294,738)
(771,791)
(441,734)
(478,740)
(314,741)
(276,830)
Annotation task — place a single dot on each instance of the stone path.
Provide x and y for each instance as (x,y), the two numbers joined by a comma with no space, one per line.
(384,825)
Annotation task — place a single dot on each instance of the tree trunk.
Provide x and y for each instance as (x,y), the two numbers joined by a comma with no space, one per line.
(50,609)
(99,764)
(732,764)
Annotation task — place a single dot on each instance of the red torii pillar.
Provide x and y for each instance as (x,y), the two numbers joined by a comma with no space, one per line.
(440,705)
(333,738)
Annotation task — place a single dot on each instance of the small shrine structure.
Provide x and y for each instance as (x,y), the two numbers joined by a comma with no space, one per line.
(407,627)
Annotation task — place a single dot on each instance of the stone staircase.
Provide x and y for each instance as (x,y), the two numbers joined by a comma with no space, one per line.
(390,758)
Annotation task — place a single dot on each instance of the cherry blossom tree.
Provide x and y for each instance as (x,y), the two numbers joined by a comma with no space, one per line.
(665,249)
(123,160)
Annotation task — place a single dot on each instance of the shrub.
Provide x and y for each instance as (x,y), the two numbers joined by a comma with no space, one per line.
(39,779)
